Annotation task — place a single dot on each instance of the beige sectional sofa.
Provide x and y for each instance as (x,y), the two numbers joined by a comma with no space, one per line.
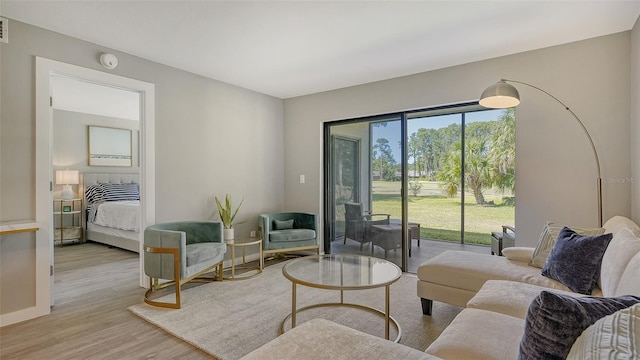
(499,291)
(496,293)
(455,277)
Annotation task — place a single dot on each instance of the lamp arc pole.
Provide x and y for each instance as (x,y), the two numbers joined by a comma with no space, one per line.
(593,147)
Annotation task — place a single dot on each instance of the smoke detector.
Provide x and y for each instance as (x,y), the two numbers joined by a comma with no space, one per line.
(109,61)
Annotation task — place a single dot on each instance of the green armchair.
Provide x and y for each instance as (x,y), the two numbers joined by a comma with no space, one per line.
(179,252)
(288,231)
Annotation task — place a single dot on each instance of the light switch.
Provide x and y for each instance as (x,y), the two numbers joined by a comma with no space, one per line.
(301,179)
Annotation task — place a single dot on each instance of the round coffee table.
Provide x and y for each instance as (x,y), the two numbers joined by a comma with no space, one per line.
(342,272)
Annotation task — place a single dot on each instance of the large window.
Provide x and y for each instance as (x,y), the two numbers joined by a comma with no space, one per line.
(445,175)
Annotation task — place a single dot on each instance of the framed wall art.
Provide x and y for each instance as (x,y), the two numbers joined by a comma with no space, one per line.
(109,146)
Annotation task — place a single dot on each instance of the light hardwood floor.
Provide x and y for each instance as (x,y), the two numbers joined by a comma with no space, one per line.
(94,286)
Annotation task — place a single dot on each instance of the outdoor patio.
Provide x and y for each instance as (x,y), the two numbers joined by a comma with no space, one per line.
(428,249)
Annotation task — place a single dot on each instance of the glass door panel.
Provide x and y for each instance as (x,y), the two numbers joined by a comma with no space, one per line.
(434,188)
(365,187)
(489,174)
(385,226)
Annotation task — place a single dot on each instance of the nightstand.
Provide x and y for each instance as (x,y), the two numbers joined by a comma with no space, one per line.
(67,217)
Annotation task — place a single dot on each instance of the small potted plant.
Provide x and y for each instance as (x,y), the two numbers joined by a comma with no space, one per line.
(227,215)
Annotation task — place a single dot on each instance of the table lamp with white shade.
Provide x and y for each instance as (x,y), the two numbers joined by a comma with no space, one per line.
(67,178)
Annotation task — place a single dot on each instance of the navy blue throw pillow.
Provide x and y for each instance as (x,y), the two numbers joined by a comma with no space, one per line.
(555,321)
(575,260)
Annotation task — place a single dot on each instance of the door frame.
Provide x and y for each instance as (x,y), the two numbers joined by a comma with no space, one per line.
(45,68)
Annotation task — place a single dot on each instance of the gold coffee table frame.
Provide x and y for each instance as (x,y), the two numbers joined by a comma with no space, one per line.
(243,242)
(312,273)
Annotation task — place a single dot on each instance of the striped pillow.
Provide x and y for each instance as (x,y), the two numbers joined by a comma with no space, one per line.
(94,193)
(548,238)
(120,192)
(612,337)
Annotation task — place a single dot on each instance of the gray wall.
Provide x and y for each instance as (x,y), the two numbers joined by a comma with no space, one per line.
(555,168)
(635,122)
(70,144)
(212,138)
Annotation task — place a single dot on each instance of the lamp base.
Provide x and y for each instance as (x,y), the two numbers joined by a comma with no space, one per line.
(67,193)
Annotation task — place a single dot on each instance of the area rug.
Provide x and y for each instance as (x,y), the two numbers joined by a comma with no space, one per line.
(231,318)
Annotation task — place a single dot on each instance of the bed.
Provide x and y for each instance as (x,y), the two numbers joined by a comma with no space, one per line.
(113,209)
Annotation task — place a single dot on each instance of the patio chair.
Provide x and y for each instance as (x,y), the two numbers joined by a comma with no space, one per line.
(358,223)
(503,240)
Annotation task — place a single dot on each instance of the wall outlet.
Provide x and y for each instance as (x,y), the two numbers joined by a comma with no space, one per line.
(301,179)
(253,233)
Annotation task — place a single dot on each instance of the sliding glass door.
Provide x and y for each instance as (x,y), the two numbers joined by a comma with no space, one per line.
(408,186)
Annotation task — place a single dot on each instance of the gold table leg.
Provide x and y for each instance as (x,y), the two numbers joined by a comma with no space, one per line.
(293,305)
(233,262)
(386,311)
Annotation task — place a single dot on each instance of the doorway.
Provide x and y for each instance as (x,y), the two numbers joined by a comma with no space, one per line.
(45,70)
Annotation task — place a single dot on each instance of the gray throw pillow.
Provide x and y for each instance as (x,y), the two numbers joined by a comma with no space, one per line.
(575,260)
(282,224)
(548,239)
(554,322)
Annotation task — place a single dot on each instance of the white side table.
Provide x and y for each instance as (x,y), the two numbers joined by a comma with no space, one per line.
(70,210)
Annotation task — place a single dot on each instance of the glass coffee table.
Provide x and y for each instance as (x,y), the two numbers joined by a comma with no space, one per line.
(342,272)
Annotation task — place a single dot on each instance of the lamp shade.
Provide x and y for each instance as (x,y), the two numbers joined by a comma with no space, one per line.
(500,96)
(67,177)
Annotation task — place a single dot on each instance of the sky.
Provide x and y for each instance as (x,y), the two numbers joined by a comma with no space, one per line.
(392,133)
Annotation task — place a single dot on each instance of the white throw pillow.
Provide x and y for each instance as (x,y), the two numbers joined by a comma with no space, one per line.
(548,238)
(518,253)
(616,336)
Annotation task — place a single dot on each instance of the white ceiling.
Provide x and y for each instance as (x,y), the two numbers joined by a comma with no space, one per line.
(292,48)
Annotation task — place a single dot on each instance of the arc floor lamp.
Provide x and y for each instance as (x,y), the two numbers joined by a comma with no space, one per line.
(502,95)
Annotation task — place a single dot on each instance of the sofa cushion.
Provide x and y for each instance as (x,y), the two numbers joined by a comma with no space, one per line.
(282,224)
(479,334)
(575,260)
(320,339)
(617,223)
(613,337)
(469,271)
(509,297)
(548,238)
(202,252)
(623,246)
(291,235)
(518,253)
(629,283)
(554,321)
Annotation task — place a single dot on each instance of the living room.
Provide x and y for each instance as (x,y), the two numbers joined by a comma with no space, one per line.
(274,140)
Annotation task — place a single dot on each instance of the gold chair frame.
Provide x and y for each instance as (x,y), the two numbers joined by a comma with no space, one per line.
(155,285)
(276,253)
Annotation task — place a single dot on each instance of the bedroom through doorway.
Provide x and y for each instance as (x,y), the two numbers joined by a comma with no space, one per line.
(68,147)
(95,136)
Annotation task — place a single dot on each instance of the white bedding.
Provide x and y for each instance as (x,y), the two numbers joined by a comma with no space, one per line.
(119,214)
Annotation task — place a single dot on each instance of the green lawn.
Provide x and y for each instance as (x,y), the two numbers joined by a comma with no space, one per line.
(439,216)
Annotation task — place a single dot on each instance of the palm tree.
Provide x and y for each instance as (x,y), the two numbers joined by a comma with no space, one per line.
(502,154)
